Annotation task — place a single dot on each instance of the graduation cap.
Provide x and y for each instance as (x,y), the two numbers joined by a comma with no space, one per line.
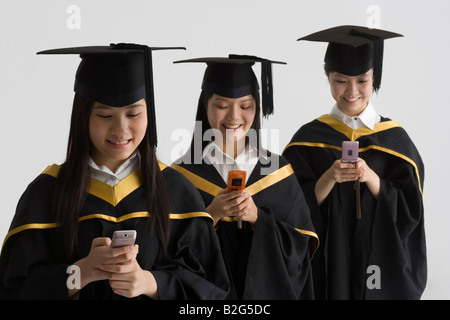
(233,77)
(353,50)
(116,75)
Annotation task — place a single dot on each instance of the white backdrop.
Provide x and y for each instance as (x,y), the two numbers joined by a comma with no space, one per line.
(36,92)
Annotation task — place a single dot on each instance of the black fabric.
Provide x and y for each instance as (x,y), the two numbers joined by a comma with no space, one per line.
(233,77)
(33,263)
(271,261)
(116,75)
(390,233)
(354,50)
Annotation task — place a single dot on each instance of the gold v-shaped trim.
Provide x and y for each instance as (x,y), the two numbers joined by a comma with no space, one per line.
(354,134)
(360,150)
(253,189)
(198,181)
(144,214)
(269,180)
(112,195)
(133,215)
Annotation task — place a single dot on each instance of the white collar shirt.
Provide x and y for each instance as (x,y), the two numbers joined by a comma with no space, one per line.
(368,118)
(223,163)
(104,174)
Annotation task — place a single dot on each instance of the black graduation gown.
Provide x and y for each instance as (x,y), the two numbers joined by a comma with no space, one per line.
(271,261)
(33,263)
(390,234)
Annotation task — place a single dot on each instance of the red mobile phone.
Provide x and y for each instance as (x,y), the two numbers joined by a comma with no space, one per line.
(350,151)
(123,238)
(236,180)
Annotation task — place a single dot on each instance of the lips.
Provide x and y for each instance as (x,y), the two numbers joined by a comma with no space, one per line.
(119,143)
(351,99)
(232,126)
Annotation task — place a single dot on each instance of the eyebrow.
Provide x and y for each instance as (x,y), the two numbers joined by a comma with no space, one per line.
(340,75)
(226,99)
(105,107)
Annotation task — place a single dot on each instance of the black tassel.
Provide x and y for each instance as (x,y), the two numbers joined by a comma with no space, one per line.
(378,48)
(266,82)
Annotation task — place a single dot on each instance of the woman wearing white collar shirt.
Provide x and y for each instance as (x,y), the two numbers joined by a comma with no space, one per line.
(112,181)
(269,256)
(373,239)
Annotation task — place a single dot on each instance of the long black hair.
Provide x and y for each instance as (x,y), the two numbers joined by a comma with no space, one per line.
(73,180)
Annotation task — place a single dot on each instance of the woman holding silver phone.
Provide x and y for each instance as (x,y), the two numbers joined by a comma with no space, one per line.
(112,180)
(368,213)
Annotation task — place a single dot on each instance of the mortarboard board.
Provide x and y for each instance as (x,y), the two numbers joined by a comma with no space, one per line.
(233,77)
(353,50)
(116,75)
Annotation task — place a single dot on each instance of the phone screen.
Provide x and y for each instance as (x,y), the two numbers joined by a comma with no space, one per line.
(350,151)
(236,182)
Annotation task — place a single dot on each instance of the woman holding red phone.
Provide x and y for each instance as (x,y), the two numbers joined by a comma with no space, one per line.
(112,180)
(369,215)
(265,230)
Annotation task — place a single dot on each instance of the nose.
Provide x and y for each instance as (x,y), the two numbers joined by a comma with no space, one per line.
(233,112)
(352,89)
(119,126)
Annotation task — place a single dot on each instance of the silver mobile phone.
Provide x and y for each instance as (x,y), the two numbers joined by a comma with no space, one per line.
(123,238)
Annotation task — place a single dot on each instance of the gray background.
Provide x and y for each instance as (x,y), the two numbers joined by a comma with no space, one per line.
(36,92)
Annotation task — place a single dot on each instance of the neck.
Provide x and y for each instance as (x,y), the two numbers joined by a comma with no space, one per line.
(234,148)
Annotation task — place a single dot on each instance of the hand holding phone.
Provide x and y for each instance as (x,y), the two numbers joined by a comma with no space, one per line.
(122,238)
(350,154)
(236,181)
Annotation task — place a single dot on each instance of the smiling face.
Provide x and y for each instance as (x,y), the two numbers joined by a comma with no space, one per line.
(232,116)
(352,93)
(115,133)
